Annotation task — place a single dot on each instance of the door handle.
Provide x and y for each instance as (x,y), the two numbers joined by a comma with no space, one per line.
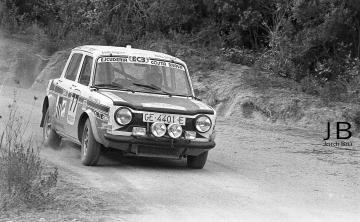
(57,82)
(77,90)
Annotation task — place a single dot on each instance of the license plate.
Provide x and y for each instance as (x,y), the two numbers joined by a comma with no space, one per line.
(165,118)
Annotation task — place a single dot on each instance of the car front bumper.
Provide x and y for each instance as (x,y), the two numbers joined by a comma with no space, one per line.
(158,147)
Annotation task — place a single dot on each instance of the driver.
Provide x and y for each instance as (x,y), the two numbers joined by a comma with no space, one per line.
(104,73)
(153,76)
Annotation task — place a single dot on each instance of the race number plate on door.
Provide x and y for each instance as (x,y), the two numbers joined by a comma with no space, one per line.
(165,118)
(72,109)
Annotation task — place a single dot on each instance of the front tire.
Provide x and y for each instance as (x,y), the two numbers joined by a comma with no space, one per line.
(51,138)
(90,148)
(197,162)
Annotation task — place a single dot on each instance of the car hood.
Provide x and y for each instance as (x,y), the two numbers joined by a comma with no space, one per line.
(157,103)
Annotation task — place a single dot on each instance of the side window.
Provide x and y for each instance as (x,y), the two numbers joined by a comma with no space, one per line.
(73,67)
(85,73)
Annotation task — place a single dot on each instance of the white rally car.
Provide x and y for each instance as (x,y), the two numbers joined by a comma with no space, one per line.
(137,101)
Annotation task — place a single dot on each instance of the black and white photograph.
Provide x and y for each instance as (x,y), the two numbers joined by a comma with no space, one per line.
(179,110)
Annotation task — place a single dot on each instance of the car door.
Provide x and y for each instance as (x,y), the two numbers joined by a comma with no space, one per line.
(63,87)
(67,83)
(80,93)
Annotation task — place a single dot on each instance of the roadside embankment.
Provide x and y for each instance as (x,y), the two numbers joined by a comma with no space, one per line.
(236,91)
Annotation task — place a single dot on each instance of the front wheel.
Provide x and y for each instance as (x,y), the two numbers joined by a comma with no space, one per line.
(197,162)
(90,148)
(51,138)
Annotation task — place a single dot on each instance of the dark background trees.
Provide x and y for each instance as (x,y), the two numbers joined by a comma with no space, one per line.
(298,39)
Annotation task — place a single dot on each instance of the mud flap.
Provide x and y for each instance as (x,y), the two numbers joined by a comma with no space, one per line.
(44,109)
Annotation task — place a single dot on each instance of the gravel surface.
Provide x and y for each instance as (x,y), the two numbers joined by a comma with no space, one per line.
(256,172)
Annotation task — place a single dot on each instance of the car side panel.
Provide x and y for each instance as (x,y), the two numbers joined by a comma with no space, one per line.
(80,98)
(62,104)
(52,97)
(99,113)
(73,113)
(96,106)
(95,125)
(48,102)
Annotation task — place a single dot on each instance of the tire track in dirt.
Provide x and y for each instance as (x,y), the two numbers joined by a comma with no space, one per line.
(257,172)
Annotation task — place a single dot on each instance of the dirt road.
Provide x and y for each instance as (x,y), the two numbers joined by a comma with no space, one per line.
(256,172)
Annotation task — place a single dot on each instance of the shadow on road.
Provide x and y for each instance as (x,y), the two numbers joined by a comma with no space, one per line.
(114,158)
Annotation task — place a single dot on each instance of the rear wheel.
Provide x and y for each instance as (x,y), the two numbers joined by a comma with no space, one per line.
(197,162)
(90,148)
(51,138)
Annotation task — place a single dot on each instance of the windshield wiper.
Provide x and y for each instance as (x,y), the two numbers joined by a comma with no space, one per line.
(152,86)
(107,85)
(111,86)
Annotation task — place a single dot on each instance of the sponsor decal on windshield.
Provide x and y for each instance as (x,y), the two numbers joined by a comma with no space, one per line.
(113,59)
(142,60)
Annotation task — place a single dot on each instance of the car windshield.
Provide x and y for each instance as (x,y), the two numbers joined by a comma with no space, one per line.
(142,74)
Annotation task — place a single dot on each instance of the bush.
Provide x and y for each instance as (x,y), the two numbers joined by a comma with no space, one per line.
(9,17)
(41,40)
(23,178)
(297,39)
(240,56)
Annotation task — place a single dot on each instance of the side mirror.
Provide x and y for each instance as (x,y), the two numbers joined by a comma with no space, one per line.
(196,92)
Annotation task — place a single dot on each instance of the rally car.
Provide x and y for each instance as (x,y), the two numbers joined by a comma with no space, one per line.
(137,101)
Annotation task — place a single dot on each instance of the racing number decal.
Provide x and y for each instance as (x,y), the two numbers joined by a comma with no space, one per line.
(72,109)
(60,107)
(74,102)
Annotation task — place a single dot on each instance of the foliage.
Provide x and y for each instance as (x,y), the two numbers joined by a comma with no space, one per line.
(297,39)
(240,22)
(23,178)
(240,56)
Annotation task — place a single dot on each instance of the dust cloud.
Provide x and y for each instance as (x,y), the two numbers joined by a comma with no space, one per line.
(22,65)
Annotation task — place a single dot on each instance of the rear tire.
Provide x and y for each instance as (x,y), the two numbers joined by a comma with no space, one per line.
(90,148)
(197,162)
(51,138)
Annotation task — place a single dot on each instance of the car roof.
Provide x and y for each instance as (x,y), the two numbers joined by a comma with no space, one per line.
(100,50)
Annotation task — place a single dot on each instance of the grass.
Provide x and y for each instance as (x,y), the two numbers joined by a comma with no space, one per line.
(24,182)
(35,189)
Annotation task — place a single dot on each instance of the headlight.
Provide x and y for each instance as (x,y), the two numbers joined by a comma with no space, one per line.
(158,129)
(123,116)
(174,130)
(203,124)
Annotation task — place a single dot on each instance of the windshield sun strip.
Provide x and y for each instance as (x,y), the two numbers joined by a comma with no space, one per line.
(151,58)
